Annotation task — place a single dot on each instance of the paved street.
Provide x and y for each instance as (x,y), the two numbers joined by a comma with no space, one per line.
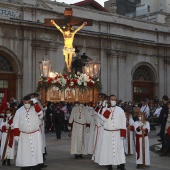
(59,157)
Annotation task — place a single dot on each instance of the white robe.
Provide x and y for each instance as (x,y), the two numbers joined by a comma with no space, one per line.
(9,151)
(97,129)
(91,132)
(99,123)
(29,151)
(132,142)
(42,127)
(79,133)
(112,150)
(147,152)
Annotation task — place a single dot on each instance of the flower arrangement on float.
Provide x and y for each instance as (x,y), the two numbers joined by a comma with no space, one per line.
(62,81)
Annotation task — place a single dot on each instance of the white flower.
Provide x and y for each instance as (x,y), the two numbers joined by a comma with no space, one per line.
(85,84)
(62,81)
(97,80)
(54,81)
(78,73)
(79,82)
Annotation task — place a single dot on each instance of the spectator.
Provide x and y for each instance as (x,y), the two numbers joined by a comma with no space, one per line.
(167,134)
(136,111)
(66,117)
(158,110)
(162,120)
(145,107)
(58,121)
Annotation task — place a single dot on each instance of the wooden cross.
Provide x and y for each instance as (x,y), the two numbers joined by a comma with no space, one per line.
(68,19)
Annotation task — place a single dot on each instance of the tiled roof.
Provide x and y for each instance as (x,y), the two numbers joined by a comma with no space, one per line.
(92,2)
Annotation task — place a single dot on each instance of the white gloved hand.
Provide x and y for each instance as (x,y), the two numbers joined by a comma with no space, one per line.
(87,129)
(34,100)
(69,128)
(141,124)
(16,138)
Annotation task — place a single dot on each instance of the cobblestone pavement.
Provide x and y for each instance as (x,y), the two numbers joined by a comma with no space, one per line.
(59,158)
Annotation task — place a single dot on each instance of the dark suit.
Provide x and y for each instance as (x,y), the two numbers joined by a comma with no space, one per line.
(58,122)
(162,121)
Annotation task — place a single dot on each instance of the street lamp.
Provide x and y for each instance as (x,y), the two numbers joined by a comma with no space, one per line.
(45,67)
(92,68)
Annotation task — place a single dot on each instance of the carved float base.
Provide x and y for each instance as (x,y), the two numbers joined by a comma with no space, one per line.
(53,94)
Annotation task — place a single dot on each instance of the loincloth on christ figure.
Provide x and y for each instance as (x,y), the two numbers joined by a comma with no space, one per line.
(67,51)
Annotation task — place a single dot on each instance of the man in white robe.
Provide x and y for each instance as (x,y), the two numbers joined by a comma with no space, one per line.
(80,127)
(138,128)
(26,131)
(92,128)
(112,150)
(4,127)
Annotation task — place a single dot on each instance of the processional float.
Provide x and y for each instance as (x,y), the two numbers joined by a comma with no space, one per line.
(55,87)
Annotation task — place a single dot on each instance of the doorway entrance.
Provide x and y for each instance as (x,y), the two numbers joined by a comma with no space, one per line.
(143,83)
(7,78)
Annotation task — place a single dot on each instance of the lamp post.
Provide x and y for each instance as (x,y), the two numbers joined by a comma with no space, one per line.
(92,68)
(45,69)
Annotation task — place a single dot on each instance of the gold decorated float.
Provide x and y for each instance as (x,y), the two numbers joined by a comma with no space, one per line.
(83,87)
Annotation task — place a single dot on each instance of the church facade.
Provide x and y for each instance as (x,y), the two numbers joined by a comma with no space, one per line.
(134,54)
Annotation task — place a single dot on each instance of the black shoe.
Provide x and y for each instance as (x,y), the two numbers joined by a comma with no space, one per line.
(4,162)
(138,166)
(159,140)
(109,167)
(76,157)
(122,167)
(81,156)
(118,166)
(8,162)
(43,165)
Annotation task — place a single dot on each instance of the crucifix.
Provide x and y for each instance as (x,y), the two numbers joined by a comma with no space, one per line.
(64,25)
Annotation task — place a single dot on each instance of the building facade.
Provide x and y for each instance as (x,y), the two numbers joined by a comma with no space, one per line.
(134,54)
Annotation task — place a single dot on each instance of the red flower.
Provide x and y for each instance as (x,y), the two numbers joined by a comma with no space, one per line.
(68,81)
(65,76)
(90,84)
(75,80)
(50,80)
(56,77)
(90,77)
(40,82)
(57,83)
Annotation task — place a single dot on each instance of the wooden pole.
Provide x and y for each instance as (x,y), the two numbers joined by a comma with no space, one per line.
(128,130)
(143,141)
(7,138)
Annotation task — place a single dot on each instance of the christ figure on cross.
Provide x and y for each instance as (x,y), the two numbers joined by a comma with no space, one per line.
(68,34)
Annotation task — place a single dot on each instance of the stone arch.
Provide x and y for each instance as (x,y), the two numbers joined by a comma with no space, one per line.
(13,77)
(149,67)
(144,81)
(12,57)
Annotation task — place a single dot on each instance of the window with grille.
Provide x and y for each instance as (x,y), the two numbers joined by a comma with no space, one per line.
(3,84)
(1,96)
(5,64)
(142,74)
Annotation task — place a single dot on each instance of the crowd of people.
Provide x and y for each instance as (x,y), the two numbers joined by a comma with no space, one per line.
(108,130)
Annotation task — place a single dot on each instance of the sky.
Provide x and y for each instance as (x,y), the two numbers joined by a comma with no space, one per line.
(74,1)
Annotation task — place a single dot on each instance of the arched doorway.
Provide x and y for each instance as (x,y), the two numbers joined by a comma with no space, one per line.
(143,83)
(7,77)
